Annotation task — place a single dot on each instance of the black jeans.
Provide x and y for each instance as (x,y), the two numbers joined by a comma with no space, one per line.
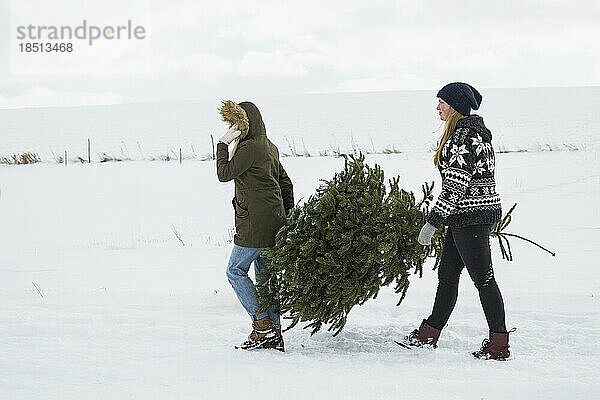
(470,247)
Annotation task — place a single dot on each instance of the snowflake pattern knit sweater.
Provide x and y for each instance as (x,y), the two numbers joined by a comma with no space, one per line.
(467,166)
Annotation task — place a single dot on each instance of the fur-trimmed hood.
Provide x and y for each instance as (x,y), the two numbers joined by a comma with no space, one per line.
(246,116)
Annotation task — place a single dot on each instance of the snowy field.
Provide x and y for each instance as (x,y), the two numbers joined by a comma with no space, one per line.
(112,275)
(126,311)
(521,119)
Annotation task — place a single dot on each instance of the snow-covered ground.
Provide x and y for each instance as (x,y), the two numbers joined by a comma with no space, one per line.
(126,311)
(530,119)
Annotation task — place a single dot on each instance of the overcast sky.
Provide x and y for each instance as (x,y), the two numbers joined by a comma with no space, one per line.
(227,49)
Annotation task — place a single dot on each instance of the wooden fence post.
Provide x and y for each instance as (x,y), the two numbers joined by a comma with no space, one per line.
(212,140)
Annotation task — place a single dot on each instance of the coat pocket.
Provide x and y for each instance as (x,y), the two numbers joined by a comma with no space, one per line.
(240,212)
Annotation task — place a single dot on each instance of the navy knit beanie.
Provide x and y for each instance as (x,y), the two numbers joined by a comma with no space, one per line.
(461,96)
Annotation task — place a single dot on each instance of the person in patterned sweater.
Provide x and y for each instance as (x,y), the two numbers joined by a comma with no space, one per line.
(469,207)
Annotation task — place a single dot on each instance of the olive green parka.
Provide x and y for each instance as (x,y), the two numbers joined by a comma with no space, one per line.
(263,190)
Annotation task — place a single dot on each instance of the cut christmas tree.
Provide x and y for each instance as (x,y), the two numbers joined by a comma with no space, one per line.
(347,241)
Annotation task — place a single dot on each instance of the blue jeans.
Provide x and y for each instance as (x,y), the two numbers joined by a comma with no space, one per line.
(237,274)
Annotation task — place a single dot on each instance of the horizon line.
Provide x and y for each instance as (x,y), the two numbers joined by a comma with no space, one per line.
(318,93)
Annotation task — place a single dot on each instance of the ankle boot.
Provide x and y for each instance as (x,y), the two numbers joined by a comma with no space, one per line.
(494,348)
(425,335)
(278,342)
(264,335)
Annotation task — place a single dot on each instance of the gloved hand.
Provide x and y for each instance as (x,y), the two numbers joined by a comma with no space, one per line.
(231,134)
(426,234)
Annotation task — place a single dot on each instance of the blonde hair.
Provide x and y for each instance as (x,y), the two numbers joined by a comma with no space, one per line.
(451,120)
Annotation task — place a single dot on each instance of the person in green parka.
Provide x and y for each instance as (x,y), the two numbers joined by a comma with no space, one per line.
(263,197)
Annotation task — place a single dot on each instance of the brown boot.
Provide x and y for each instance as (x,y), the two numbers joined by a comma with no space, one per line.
(278,344)
(426,335)
(264,335)
(494,348)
